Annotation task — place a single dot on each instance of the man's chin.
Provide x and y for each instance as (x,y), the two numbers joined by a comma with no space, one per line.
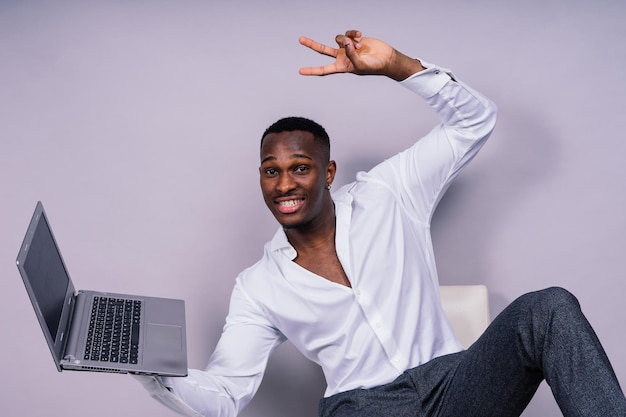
(289,222)
(290,225)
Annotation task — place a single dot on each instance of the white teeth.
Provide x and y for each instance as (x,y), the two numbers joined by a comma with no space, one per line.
(289,203)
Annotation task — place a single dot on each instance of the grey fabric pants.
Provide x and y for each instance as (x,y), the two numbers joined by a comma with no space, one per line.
(541,335)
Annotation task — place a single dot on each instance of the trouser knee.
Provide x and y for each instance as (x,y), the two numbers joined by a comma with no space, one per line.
(555,297)
(541,313)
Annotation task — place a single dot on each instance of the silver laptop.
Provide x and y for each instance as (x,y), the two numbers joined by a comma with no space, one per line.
(98,331)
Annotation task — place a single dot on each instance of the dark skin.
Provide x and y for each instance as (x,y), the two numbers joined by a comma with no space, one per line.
(295,176)
(295,173)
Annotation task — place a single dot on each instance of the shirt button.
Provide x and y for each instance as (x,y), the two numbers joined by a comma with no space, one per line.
(378,325)
(437,71)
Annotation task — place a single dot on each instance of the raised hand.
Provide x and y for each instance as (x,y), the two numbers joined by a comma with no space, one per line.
(359,55)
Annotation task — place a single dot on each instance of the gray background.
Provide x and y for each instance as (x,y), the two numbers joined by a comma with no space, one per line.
(137,124)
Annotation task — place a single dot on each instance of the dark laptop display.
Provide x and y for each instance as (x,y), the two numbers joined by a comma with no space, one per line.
(45,262)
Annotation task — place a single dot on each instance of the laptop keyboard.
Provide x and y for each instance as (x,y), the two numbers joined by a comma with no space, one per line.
(113,334)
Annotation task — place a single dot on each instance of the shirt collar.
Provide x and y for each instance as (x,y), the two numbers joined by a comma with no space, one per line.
(279,241)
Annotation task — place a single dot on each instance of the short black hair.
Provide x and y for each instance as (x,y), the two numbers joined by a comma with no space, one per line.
(293,123)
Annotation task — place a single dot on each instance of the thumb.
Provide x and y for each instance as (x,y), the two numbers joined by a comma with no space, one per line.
(350,48)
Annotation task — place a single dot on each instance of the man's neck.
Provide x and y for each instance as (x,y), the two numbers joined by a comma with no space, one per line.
(315,235)
(304,242)
(316,251)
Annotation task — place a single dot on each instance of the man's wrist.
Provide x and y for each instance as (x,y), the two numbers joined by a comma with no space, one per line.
(403,67)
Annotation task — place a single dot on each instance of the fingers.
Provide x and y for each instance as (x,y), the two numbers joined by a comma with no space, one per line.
(321,70)
(348,44)
(312,71)
(354,34)
(318,47)
(321,49)
(351,37)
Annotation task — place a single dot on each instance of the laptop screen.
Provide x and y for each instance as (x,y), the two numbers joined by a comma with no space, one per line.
(47,275)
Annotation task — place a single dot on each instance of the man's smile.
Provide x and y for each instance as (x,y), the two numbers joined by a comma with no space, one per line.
(291,205)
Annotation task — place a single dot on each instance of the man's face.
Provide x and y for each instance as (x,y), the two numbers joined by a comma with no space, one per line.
(294,174)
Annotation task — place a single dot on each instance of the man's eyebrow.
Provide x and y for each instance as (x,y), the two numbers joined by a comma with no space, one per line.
(293,156)
(299,155)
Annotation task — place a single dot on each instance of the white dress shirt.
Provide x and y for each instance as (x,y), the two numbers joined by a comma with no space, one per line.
(391,319)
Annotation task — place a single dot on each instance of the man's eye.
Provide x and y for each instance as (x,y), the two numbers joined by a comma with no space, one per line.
(301,169)
(270,171)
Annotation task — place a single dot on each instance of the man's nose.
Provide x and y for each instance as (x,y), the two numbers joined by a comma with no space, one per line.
(285,183)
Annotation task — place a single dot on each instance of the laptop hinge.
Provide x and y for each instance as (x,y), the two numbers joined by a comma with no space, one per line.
(71,344)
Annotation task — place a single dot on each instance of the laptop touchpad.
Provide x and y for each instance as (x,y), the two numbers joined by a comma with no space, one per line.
(164,337)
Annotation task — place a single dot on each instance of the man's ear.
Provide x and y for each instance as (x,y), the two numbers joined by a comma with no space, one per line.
(331,170)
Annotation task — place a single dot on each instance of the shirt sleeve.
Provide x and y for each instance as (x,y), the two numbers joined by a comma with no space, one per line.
(235,369)
(420,175)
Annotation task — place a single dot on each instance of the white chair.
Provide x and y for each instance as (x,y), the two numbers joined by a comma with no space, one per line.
(467,308)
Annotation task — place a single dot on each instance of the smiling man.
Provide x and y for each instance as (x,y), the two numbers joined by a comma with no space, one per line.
(295,170)
(349,278)
(296,174)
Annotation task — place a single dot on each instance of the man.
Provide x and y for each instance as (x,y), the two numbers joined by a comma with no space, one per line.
(350,279)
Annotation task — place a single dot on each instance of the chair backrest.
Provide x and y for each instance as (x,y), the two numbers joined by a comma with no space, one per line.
(467,308)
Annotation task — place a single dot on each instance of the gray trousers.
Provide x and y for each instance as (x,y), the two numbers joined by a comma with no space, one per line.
(541,335)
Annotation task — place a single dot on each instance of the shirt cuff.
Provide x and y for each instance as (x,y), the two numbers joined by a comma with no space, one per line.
(162,394)
(427,83)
